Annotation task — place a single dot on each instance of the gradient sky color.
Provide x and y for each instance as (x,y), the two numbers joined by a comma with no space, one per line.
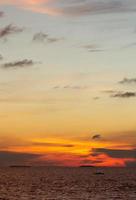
(68,82)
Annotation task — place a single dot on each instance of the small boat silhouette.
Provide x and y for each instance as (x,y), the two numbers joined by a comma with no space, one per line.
(99,173)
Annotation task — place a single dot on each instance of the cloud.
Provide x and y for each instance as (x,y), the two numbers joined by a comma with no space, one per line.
(1,14)
(96,98)
(130,163)
(128,81)
(96,50)
(96,137)
(73,87)
(115,153)
(40,37)
(110,91)
(44,37)
(120,94)
(87,7)
(9,30)
(124,95)
(48,144)
(92,48)
(74,8)
(52,40)
(40,6)
(132,44)
(8,158)
(87,162)
(1,57)
(18,64)
(13,158)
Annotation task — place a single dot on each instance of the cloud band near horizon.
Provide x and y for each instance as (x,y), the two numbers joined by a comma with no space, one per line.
(73,8)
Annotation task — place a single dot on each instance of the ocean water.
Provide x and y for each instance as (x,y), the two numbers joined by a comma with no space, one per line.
(54,183)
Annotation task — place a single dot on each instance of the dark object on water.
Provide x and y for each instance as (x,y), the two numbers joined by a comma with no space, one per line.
(99,173)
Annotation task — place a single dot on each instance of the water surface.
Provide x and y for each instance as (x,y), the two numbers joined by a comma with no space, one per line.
(54,183)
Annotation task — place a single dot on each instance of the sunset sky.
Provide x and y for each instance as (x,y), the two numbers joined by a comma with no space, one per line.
(68,82)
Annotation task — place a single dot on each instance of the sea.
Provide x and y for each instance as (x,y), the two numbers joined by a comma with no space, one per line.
(65,183)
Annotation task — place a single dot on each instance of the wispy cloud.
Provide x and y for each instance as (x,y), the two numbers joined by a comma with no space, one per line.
(9,30)
(74,8)
(72,87)
(48,144)
(96,98)
(18,64)
(109,91)
(53,39)
(92,48)
(128,81)
(44,37)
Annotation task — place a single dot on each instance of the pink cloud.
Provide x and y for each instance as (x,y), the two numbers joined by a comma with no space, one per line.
(41,6)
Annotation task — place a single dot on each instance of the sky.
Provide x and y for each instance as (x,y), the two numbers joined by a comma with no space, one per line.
(68,82)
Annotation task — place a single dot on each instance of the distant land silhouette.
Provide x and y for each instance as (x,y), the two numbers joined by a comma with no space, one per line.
(87,166)
(19,166)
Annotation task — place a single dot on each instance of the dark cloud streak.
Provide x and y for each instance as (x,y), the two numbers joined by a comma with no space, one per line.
(1,57)
(8,158)
(124,95)
(48,144)
(11,158)
(18,64)
(10,30)
(96,137)
(128,81)
(115,153)
(1,14)
(120,94)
